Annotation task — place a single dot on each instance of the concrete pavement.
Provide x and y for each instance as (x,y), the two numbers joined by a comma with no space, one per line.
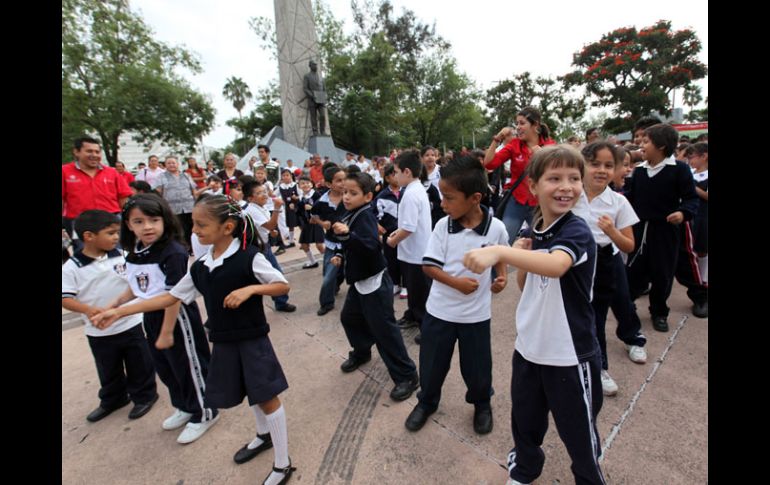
(344,429)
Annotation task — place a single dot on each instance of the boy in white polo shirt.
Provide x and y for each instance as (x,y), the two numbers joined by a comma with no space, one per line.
(412,236)
(459,304)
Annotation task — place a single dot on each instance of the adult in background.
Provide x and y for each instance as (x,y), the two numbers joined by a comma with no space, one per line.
(229,171)
(211,168)
(121,168)
(518,202)
(316,171)
(178,189)
(592,135)
(272,167)
(87,184)
(198,175)
(152,172)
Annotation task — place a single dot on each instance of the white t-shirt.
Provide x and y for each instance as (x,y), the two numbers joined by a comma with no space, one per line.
(447,246)
(150,176)
(260,215)
(414,216)
(609,203)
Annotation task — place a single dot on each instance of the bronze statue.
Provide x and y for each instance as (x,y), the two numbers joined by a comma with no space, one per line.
(313,86)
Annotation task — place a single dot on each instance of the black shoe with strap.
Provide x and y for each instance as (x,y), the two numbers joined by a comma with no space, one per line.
(286,472)
(245,454)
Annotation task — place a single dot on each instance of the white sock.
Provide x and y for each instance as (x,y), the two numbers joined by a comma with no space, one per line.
(703,267)
(291,236)
(277,424)
(310,256)
(261,426)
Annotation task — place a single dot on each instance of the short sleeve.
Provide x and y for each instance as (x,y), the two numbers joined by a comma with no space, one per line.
(435,253)
(175,266)
(264,271)
(408,213)
(185,290)
(575,239)
(69,284)
(626,215)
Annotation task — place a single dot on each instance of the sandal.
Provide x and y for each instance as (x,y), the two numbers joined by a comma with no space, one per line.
(285,471)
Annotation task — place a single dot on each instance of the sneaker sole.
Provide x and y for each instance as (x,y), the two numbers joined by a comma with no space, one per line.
(187,442)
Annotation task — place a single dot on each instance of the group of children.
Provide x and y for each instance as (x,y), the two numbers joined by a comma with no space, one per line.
(570,271)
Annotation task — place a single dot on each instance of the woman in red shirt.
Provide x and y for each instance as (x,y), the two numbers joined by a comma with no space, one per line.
(197,174)
(531,134)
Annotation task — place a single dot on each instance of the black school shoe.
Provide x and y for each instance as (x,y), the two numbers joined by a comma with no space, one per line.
(417,418)
(404,389)
(288,308)
(660,324)
(324,310)
(100,413)
(285,471)
(352,363)
(245,454)
(482,420)
(140,410)
(701,310)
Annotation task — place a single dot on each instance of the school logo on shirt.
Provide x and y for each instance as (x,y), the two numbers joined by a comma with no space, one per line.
(120,269)
(143,280)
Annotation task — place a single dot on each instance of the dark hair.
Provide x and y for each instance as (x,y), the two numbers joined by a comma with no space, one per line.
(94,220)
(305,178)
(264,147)
(409,159)
(229,185)
(533,115)
(388,170)
(425,149)
(699,148)
(645,122)
(286,170)
(330,172)
(214,178)
(466,174)
(248,188)
(222,208)
(664,137)
(364,181)
(589,151)
(352,169)
(590,131)
(151,205)
(552,156)
(78,143)
(142,187)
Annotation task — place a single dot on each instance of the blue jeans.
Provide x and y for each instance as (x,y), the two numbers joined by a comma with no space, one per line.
(329,285)
(282,300)
(514,216)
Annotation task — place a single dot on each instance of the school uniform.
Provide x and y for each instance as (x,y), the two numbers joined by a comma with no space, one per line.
(367,315)
(260,215)
(122,357)
(310,233)
(243,362)
(556,361)
(434,198)
(453,316)
(287,190)
(688,271)
(608,260)
(327,211)
(654,193)
(387,215)
(414,216)
(152,271)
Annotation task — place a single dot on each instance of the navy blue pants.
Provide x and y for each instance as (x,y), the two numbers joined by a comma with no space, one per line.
(654,261)
(329,285)
(394,265)
(280,300)
(574,397)
(417,287)
(183,367)
(124,366)
(369,320)
(436,349)
(687,271)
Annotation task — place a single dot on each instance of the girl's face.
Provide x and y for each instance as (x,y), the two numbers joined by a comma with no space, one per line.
(236,192)
(305,186)
(391,180)
(286,177)
(260,175)
(622,171)
(429,159)
(208,229)
(557,191)
(147,229)
(526,130)
(337,184)
(698,161)
(599,171)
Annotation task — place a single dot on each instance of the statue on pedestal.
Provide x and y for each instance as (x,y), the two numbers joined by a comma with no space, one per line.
(313,85)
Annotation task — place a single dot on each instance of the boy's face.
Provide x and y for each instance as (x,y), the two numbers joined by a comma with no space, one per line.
(305,186)
(259,196)
(353,196)
(215,185)
(650,152)
(455,203)
(402,178)
(337,185)
(104,240)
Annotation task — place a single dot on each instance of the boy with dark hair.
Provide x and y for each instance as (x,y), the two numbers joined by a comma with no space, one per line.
(91,279)
(367,315)
(412,236)
(662,193)
(459,304)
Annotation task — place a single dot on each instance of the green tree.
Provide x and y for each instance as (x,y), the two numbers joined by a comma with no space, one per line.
(634,71)
(259,121)
(237,92)
(117,78)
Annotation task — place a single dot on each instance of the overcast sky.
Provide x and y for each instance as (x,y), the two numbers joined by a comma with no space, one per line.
(491,39)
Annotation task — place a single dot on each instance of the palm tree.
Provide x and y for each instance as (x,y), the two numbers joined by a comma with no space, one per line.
(237,92)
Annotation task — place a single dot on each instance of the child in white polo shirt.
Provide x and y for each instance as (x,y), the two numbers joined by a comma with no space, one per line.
(459,304)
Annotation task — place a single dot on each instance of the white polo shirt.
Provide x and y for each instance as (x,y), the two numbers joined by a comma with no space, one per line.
(447,246)
(260,215)
(414,216)
(609,203)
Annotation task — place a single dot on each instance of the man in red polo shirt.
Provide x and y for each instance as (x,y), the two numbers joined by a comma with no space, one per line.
(87,184)
(316,171)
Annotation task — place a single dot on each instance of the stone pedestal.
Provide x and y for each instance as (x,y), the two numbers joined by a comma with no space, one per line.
(324,146)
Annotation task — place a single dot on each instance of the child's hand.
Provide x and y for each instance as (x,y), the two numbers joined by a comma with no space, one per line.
(380,230)
(236,297)
(340,228)
(165,341)
(308,207)
(277,203)
(466,285)
(391,241)
(606,224)
(291,206)
(523,243)
(294,197)
(94,310)
(499,283)
(477,260)
(336,261)
(274,233)
(675,217)
(314,219)
(104,319)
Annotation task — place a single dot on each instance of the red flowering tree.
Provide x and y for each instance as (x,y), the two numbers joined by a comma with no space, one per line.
(635,71)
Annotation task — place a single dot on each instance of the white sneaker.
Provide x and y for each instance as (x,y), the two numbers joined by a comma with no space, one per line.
(176,420)
(403,295)
(511,481)
(193,431)
(608,385)
(396,290)
(637,354)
